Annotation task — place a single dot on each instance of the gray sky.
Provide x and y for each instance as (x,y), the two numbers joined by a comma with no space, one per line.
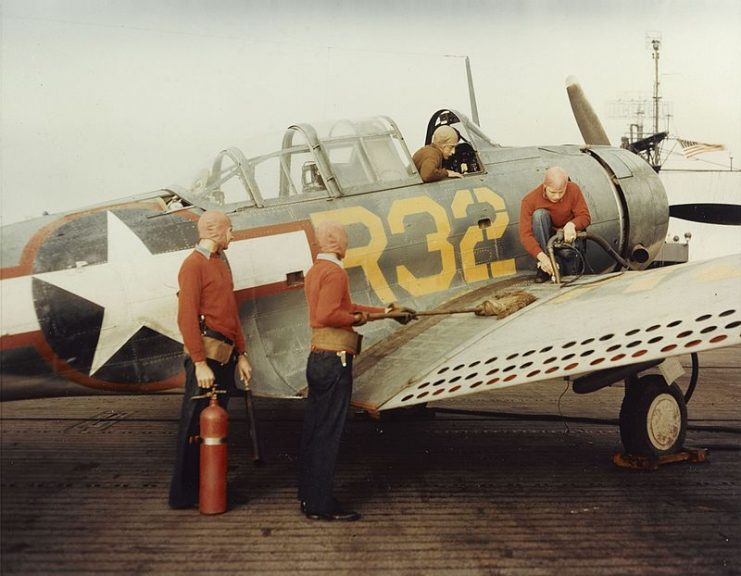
(103,99)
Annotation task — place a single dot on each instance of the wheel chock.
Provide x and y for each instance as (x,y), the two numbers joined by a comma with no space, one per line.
(634,462)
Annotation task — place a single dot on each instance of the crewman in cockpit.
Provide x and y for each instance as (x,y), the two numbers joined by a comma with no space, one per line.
(429,159)
(557,203)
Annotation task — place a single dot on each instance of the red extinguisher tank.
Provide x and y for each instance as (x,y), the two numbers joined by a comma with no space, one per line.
(212,487)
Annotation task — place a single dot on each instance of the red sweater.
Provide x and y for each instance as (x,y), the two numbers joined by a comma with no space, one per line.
(328,294)
(571,208)
(206,288)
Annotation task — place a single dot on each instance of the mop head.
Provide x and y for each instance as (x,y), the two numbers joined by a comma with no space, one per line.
(505,304)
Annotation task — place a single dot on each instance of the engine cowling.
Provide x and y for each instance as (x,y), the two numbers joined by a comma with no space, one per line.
(641,199)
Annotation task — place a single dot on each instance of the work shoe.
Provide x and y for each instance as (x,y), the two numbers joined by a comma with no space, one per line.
(541,276)
(338,514)
(335,516)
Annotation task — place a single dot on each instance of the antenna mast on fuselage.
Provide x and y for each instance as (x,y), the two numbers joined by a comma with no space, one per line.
(472,94)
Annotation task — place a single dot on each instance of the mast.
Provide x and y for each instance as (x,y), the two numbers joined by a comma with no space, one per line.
(638,108)
(653,152)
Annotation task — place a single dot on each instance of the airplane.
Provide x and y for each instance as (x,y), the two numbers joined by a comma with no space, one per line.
(89,296)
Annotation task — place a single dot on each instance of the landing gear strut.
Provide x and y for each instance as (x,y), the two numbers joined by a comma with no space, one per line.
(653,416)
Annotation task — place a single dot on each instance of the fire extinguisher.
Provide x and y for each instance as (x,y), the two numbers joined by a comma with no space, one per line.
(212,485)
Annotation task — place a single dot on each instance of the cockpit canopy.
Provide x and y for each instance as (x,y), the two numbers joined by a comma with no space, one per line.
(310,161)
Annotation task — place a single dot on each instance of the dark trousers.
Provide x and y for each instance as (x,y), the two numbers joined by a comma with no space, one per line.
(185,476)
(330,389)
(568,260)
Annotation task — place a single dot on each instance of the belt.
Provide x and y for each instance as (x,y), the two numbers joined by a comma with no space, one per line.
(335,339)
(218,336)
(342,355)
(332,352)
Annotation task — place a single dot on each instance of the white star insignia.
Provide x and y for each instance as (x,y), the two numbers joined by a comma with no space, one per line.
(135,287)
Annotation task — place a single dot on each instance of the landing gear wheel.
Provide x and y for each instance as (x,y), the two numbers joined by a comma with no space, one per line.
(653,417)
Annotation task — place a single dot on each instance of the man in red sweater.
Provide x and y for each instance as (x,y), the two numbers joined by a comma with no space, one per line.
(206,307)
(556,203)
(334,343)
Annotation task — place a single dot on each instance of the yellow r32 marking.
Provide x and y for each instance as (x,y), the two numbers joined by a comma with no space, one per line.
(438,244)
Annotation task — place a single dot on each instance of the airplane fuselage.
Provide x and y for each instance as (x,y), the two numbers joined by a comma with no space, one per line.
(90,297)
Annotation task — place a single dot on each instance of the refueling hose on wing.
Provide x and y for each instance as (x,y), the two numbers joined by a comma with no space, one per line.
(557,241)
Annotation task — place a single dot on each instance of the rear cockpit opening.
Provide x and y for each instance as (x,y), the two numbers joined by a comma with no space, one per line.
(465,159)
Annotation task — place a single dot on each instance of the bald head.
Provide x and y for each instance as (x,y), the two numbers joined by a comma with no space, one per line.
(555,178)
(214,225)
(444,135)
(554,184)
(332,238)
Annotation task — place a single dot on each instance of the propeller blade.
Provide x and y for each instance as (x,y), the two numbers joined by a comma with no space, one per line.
(726,214)
(589,124)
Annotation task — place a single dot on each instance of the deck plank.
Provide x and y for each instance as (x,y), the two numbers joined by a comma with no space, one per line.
(513,488)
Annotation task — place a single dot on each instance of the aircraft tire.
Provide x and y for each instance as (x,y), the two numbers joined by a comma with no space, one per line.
(653,417)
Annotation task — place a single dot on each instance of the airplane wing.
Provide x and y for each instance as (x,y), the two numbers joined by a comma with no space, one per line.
(596,323)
